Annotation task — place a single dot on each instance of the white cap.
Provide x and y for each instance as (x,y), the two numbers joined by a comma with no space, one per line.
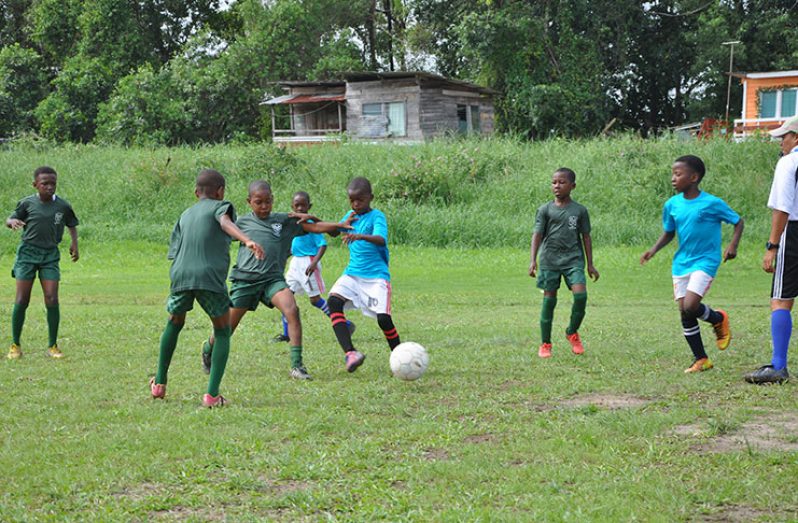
(790,126)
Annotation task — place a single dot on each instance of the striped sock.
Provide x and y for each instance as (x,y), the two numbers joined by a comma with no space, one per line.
(708,315)
(322,304)
(693,336)
(392,337)
(341,331)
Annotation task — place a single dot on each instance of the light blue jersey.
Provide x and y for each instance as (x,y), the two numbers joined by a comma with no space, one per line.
(697,226)
(308,244)
(367,260)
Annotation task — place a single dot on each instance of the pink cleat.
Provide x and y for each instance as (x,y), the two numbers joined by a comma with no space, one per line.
(158,391)
(544,351)
(576,343)
(354,359)
(210,402)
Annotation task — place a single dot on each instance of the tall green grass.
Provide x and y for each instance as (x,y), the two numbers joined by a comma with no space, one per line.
(445,193)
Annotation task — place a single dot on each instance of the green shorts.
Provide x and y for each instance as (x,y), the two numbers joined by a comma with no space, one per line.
(31,259)
(215,304)
(248,294)
(549,279)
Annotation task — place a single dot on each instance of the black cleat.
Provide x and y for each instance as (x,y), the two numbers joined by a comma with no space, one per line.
(280,338)
(766,375)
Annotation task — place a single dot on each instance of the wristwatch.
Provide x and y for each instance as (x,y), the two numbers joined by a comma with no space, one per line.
(772,246)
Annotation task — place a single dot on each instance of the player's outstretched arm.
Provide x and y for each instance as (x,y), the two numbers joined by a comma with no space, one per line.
(663,240)
(731,250)
(537,239)
(73,246)
(233,231)
(591,270)
(333,229)
(376,239)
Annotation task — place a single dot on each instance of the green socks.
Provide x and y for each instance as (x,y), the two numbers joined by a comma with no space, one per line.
(168,344)
(547,318)
(53,319)
(577,312)
(17,321)
(221,350)
(296,357)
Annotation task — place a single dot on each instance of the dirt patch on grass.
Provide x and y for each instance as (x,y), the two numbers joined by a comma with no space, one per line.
(774,431)
(480,438)
(436,455)
(606,401)
(140,492)
(188,513)
(743,513)
(283,486)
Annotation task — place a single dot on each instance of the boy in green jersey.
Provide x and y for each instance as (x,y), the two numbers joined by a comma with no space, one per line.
(562,227)
(257,281)
(42,217)
(200,252)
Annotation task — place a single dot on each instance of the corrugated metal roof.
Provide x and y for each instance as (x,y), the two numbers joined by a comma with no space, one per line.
(305,99)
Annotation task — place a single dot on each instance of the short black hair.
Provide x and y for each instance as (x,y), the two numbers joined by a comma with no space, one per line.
(569,173)
(694,163)
(359,184)
(303,194)
(259,185)
(44,169)
(209,180)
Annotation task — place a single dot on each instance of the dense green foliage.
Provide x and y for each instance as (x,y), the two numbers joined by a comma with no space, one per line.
(186,72)
(445,193)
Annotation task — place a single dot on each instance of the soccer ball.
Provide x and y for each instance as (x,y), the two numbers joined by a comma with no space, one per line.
(409,360)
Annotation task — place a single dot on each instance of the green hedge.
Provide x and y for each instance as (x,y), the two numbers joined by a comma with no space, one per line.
(444,193)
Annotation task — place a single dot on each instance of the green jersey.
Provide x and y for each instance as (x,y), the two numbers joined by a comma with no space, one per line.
(200,249)
(274,234)
(562,228)
(44,221)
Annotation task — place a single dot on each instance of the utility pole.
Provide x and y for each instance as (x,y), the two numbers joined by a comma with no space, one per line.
(731,66)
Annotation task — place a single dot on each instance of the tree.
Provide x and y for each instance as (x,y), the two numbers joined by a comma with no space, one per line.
(23,84)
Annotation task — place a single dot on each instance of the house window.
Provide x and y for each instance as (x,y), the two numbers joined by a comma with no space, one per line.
(779,103)
(767,104)
(372,109)
(475,124)
(468,119)
(788,102)
(390,116)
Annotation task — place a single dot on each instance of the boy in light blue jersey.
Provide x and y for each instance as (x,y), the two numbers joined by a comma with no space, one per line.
(366,281)
(304,270)
(695,217)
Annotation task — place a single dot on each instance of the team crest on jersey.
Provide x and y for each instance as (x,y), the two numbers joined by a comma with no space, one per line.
(572,222)
(58,217)
(277,228)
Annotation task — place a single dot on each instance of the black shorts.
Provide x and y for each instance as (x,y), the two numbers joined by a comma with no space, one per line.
(785,276)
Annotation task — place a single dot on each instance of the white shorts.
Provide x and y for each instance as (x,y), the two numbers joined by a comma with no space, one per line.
(299,282)
(371,295)
(697,282)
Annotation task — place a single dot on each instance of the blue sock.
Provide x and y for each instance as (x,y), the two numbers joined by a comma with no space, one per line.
(322,304)
(285,327)
(780,331)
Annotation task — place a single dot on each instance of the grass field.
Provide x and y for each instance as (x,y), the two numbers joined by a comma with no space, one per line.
(490,433)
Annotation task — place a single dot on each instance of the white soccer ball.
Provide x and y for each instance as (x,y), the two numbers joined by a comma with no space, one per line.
(409,360)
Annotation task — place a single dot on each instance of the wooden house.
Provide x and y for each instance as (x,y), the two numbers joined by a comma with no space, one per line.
(768,100)
(380,107)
